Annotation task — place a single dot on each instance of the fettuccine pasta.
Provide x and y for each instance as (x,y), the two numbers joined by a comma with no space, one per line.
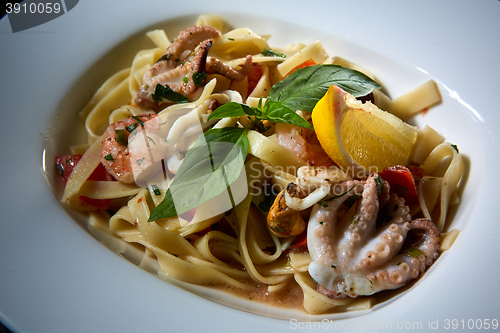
(250,221)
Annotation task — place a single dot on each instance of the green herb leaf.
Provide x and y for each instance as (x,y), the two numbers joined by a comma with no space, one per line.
(198,78)
(268,52)
(139,121)
(273,111)
(455,147)
(60,169)
(279,113)
(233,109)
(130,128)
(156,190)
(322,204)
(414,252)
(167,93)
(302,89)
(206,171)
(164,57)
(379,182)
(121,137)
(109,157)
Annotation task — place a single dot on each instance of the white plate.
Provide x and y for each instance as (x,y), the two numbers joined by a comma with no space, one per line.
(55,277)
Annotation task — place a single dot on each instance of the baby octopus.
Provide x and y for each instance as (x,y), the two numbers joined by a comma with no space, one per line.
(364,251)
(185,65)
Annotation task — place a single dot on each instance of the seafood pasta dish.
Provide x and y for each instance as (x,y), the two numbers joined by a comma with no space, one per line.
(283,175)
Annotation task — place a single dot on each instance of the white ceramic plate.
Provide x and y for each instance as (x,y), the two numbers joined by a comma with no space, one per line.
(55,277)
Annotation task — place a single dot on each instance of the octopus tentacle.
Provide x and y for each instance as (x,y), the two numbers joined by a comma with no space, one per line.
(394,274)
(186,41)
(404,267)
(185,58)
(366,252)
(363,222)
(431,239)
(390,238)
(215,66)
(176,78)
(323,224)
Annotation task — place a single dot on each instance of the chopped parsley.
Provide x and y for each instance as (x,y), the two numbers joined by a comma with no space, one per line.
(60,169)
(380,182)
(121,137)
(231,39)
(156,190)
(322,204)
(455,147)
(333,266)
(109,157)
(164,57)
(165,92)
(268,52)
(130,128)
(198,78)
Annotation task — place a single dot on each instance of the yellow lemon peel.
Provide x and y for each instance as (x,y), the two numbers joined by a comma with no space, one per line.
(359,137)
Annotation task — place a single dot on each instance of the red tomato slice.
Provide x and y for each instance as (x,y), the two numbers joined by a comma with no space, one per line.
(307,63)
(403,181)
(65,165)
(254,75)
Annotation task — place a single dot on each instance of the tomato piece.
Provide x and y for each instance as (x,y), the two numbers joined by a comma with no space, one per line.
(307,63)
(300,242)
(65,165)
(254,75)
(403,181)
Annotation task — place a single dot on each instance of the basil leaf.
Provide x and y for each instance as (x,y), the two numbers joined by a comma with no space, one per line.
(234,135)
(302,89)
(233,109)
(278,113)
(167,93)
(206,171)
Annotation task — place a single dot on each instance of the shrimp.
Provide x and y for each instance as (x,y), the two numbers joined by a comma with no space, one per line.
(303,143)
(115,152)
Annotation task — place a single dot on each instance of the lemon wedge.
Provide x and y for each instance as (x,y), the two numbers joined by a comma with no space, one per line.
(359,137)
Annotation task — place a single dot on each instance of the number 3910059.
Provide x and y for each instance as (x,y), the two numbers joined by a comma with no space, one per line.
(33,8)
